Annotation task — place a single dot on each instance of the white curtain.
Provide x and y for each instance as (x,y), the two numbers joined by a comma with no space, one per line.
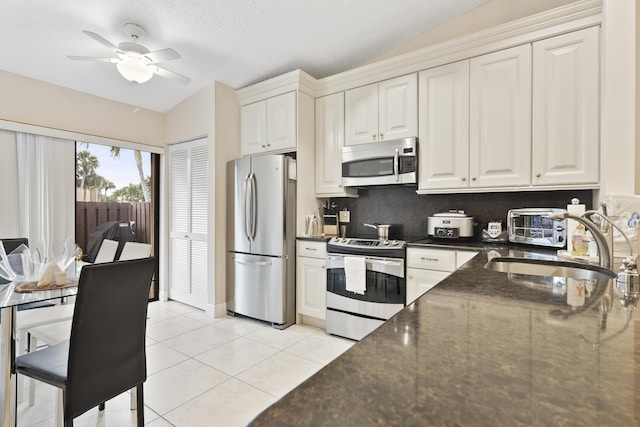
(46,188)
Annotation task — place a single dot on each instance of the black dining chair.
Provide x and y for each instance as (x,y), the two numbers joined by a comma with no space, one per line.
(105,355)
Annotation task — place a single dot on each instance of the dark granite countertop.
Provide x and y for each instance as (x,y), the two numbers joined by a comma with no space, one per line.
(481,350)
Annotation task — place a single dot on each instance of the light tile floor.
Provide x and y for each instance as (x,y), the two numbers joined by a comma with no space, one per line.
(206,372)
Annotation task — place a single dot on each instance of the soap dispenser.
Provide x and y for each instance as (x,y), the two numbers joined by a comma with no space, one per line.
(577,241)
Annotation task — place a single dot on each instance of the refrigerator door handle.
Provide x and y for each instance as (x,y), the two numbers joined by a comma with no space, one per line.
(251,263)
(245,209)
(254,205)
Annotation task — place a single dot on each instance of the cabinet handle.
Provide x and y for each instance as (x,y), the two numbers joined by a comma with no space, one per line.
(312,249)
(381,137)
(473,179)
(429,259)
(538,175)
(263,146)
(464,179)
(268,145)
(374,136)
(322,267)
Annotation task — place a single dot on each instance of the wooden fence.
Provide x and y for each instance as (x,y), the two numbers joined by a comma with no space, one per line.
(91,214)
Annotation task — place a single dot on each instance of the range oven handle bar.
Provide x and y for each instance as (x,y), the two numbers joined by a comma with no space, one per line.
(369,261)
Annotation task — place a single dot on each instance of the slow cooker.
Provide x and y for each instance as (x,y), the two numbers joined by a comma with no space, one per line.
(450,225)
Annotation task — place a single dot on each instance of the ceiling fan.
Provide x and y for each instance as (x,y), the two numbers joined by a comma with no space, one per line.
(134,61)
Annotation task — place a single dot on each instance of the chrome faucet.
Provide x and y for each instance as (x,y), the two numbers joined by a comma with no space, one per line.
(604,252)
(628,279)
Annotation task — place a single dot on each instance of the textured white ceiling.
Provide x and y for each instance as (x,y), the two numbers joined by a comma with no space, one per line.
(236,42)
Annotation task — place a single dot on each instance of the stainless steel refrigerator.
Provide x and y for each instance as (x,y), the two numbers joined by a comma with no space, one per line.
(261,238)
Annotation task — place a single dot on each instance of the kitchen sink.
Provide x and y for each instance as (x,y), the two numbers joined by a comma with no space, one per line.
(549,268)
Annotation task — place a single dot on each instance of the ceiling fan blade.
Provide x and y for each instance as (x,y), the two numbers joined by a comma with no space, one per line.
(162,55)
(101,40)
(172,76)
(93,58)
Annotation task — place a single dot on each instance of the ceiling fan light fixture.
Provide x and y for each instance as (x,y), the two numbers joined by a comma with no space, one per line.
(135,71)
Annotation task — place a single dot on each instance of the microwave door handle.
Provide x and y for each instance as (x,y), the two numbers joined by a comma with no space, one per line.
(396,167)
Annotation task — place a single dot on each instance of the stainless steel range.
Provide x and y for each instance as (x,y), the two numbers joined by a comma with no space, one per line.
(365,284)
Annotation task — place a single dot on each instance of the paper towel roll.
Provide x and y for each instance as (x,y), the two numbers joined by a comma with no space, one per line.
(578,209)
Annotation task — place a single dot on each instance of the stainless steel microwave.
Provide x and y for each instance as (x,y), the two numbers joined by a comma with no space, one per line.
(536,226)
(380,163)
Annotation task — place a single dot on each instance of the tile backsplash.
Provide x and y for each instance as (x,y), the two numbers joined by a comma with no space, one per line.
(408,211)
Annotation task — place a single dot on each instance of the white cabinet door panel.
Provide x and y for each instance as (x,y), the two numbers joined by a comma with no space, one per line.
(398,101)
(444,127)
(420,281)
(281,122)
(361,109)
(500,118)
(566,109)
(311,276)
(253,125)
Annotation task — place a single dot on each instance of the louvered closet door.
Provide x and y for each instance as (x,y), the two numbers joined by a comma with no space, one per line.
(188,222)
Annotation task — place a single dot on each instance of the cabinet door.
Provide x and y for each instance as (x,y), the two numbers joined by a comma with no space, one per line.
(500,118)
(281,122)
(420,281)
(444,127)
(253,128)
(398,108)
(329,143)
(566,109)
(361,112)
(311,288)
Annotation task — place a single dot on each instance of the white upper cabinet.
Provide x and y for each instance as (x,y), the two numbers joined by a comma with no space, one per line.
(398,107)
(500,118)
(382,111)
(566,109)
(361,106)
(329,143)
(443,105)
(253,119)
(269,125)
(281,122)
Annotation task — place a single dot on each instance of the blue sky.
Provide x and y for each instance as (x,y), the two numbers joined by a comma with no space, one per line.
(121,171)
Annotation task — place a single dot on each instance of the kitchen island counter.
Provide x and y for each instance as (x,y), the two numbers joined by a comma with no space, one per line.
(480,349)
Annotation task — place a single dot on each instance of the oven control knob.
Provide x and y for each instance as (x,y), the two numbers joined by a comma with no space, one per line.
(394,243)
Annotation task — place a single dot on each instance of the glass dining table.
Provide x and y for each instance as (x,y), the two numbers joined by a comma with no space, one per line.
(10,300)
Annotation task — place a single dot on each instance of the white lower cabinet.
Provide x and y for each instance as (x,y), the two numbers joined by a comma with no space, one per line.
(426,267)
(311,279)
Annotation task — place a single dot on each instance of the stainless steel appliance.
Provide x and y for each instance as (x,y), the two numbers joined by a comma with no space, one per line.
(380,163)
(261,239)
(450,225)
(355,315)
(536,227)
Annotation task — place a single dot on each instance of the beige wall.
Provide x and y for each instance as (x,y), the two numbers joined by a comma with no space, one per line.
(227,147)
(29,101)
(492,13)
(212,112)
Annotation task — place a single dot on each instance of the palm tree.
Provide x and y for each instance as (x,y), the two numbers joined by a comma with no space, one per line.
(115,152)
(86,165)
(106,186)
